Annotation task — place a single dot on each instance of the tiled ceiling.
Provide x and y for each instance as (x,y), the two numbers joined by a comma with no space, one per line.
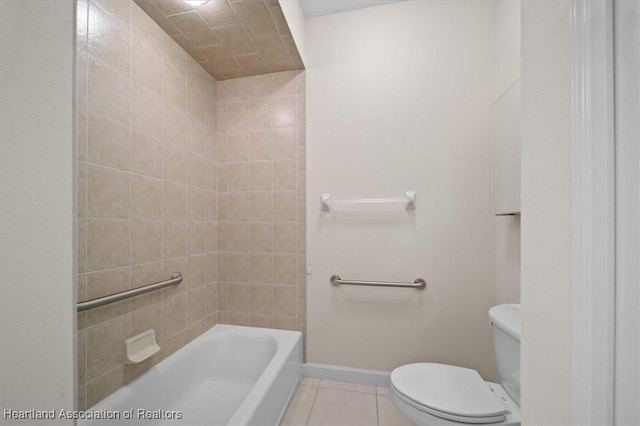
(229,38)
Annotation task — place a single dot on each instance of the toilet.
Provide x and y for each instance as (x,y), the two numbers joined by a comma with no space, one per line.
(438,394)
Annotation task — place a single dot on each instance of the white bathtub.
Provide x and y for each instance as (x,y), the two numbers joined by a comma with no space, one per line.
(230,375)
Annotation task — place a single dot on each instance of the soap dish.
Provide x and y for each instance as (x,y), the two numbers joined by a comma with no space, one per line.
(141,347)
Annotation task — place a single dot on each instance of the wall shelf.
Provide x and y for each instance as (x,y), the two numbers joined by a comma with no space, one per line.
(409,199)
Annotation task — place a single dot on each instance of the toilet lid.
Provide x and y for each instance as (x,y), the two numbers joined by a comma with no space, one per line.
(447,389)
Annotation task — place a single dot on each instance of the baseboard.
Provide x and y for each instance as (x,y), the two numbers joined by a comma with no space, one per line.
(347,374)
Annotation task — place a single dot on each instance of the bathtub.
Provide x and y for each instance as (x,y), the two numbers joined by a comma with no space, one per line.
(230,375)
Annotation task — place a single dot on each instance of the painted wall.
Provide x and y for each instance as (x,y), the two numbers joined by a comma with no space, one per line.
(36,206)
(146,191)
(507,36)
(546,239)
(398,101)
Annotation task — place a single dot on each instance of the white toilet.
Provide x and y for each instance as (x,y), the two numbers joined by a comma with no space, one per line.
(439,394)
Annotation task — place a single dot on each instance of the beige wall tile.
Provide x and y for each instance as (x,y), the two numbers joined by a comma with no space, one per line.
(174,55)
(107,87)
(284,205)
(239,176)
(146,241)
(239,148)
(261,114)
(285,83)
(284,268)
(118,9)
(211,299)
(261,268)
(195,170)
(239,298)
(261,299)
(196,98)
(212,268)
(195,136)
(174,163)
(104,385)
(146,198)
(174,125)
(284,174)
(173,316)
(211,238)
(239,116)
(174,203)
(261,144)
(262,320)
(195,204)
(146,30)
(262,237)
(284,111)
(109,142)
(146,111)
(82,244)
(239,237)
(284,300)
(109,40)
(108,242)
(284,237)
(146,67)
(239,208)
(196,238)
(174,88)
(174,239)
(239,265)
(195,306)
(82,11)
(100,339)
(196,271)
(284,143)
(262,174)
(262,206)
(146,154)
(261,86)
(82,133)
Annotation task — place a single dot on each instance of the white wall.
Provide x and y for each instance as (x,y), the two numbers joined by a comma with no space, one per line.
(507,33)
(546,239)
(36,231)
(398,99)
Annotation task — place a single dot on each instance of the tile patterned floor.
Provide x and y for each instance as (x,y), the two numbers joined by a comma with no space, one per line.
(317,402)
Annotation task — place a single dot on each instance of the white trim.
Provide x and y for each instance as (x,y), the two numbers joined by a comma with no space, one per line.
(347,374)
(593,209)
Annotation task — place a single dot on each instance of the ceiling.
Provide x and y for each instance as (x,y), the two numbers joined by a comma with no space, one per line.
(229,38)
(312,8)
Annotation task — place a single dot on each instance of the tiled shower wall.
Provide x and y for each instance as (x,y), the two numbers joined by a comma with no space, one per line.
(261,200)
(147,191)
(153,176)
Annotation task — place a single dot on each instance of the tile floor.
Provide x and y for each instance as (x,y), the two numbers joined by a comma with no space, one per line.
(320,402)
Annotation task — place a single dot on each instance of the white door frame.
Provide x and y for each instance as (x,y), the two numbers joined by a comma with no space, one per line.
(593,213)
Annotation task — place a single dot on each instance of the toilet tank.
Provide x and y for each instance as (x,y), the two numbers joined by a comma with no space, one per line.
(505,320)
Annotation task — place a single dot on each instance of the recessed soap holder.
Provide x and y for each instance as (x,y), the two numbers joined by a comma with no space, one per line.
(140,347)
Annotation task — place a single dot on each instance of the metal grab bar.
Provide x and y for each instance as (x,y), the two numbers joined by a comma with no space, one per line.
(176,279)
(419,283)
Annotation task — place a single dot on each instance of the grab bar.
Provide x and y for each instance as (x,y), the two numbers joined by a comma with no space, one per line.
(419,283)
(176,279)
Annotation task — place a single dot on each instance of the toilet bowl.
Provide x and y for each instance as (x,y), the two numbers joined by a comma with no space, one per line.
(432,394)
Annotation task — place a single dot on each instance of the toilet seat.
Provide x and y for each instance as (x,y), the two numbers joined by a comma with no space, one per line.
(449,392)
